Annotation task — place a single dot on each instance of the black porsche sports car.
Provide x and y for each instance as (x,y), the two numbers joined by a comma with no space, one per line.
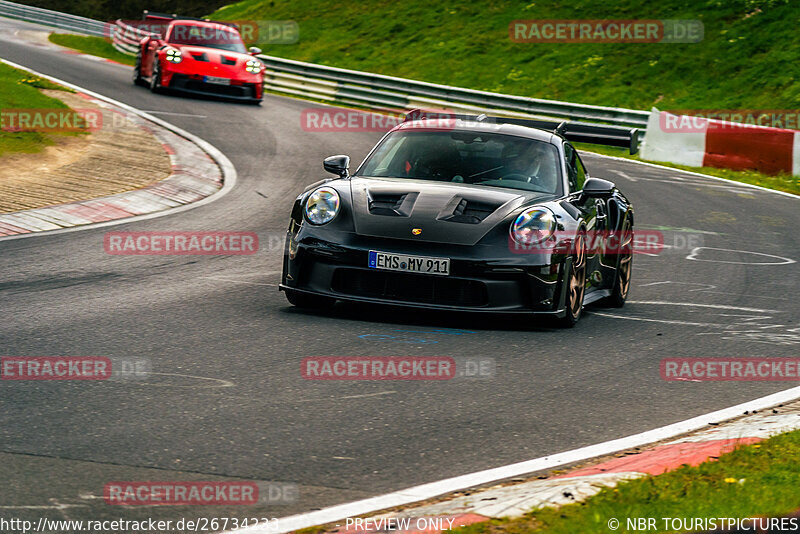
(472,214)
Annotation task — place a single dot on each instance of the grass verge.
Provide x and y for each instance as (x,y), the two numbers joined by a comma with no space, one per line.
(96,46)
(21,90)
(758,480)
(780,182)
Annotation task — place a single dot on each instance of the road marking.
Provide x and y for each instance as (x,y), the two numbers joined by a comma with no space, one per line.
(709,286)
(692,173)
(675,229)
(690,304)
(369,395)
(450,485)
(174,113)
(224,383)
(647,320)
(237,281)
(624,175)
(693,256)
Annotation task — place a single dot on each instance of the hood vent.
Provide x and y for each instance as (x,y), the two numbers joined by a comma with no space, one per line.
(200,56)
(469,211)
(227,60)
(391,204)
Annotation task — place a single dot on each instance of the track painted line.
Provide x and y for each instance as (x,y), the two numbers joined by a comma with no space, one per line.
(225,165)
(450,485)
(692,173)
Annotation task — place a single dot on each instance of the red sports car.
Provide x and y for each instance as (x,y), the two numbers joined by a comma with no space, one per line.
(200,57)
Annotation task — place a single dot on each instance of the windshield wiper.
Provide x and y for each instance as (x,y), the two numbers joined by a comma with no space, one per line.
(484,172)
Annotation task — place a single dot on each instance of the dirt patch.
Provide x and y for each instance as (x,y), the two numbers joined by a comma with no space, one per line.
(118,157)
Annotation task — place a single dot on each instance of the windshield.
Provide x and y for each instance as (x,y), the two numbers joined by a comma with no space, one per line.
(219,37)
(488,159)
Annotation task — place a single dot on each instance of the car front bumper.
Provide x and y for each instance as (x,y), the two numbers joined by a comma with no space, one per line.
(510,284)
(243,91)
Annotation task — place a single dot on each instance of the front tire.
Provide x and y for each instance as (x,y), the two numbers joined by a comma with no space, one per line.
(575,284)
(308,301)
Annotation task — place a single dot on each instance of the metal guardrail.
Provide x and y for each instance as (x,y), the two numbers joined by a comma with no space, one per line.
(54,18)
(376,90)
(335,85)
(126,38)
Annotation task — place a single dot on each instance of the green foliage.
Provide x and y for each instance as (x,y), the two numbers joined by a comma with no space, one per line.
(96,46)
(21,91)
(744,61)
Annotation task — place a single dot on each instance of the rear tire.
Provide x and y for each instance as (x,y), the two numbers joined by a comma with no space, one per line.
(308,301)
(155,79)
(575,284)
(622,274)
(137,70)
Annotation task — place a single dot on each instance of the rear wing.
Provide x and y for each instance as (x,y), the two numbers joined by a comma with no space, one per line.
(579,132)
(164,17)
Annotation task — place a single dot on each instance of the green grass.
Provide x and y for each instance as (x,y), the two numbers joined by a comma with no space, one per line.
(781,182)
(96,46)
(751,481)
(743,62)
(21,91)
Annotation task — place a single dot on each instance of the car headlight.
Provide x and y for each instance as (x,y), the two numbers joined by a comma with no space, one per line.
(174,55)
(253,65)
(322,205)
(533,225)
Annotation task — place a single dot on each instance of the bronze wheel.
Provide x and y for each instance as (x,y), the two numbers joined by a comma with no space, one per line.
(622,277)
(575,283)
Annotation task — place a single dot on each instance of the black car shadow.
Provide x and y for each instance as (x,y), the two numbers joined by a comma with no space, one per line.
(456,320)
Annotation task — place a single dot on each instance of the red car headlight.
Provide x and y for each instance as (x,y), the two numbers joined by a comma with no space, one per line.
(173,55)
(253,66)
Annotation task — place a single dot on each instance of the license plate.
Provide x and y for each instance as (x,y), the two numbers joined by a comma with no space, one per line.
(406,263)
(216,80)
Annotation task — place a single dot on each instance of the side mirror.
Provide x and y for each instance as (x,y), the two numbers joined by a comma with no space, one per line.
(596,187)
(337,165)
(254,50)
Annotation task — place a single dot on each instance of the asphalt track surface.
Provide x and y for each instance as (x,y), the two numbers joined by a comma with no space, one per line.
(229,402)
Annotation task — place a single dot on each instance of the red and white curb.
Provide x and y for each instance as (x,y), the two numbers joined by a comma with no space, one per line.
(510,500)
(700,142)
(519,499)
(200,174)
